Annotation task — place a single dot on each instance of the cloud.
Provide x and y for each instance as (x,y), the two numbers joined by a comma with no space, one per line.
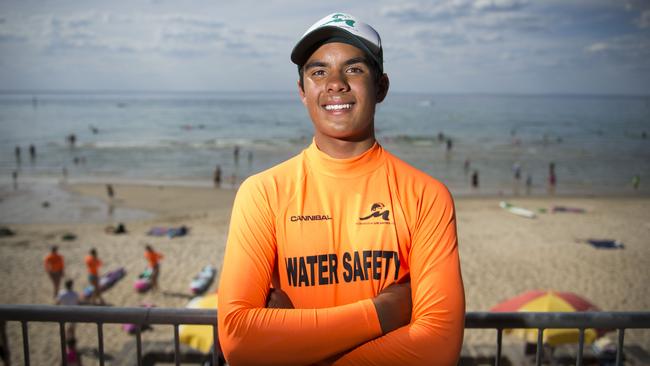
(597,47)
(175,35)
(499,5)
(644,20)
(629,51)
(448,9)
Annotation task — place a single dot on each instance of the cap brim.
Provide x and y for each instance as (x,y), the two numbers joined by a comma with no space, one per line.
(308,44)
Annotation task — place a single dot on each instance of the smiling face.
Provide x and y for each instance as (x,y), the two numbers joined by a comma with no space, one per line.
(340,94)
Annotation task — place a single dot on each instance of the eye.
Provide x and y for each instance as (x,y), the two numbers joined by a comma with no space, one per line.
(354,70)
(318,73)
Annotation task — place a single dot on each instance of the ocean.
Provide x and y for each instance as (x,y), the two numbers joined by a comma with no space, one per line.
(598,144)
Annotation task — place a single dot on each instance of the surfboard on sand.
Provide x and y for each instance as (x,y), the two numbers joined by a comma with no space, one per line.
(519,211)
(106,281)
(201,282)
(143,283)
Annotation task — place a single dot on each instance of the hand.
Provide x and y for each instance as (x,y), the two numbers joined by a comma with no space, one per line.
(394,305)
(278,299)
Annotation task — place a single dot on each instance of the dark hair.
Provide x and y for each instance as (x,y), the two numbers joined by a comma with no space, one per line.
(375,71)
(68,284)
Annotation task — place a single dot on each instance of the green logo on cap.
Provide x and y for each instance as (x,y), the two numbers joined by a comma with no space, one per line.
(337,18)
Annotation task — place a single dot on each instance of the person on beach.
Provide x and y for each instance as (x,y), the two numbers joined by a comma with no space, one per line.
(17,154)
(32,152)
(636,181)
(153,258)
(72,356)
(92,265)
(54,266)
(475,179)
(14,179)
(110,192)
(68,297)
(216,178)
(359,248)
(552,179)
(235,154)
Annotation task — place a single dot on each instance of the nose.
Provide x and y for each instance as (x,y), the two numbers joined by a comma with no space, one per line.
(337,83)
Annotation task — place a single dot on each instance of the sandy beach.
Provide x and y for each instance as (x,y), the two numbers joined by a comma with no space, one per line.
(502,254)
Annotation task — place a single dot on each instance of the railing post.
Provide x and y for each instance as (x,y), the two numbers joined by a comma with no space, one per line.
(25,342)
(215,345)
(581,343)
(619,347)
(176,346)
(138,343)
(100,340)
(497,361)
(64,358)
(539,355)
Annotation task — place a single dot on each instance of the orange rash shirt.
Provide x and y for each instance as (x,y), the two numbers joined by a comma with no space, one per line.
(340,231)
(53,263)
(152,257)
(93,264)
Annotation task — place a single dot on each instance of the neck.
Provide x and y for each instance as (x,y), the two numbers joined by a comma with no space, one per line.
(343,149)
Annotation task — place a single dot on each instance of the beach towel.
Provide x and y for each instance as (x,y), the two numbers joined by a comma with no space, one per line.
(568,209)
(605,244)
(172,232)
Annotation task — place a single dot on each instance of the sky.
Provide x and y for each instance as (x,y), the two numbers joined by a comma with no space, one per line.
(446,46)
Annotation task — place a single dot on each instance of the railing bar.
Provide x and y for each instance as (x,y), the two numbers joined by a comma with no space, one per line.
(138,343)
(619,347)
(64,359)
(25,342)
(177,352)
(497,361)
(215,346)
(538,356)
(100,340)
(581,344)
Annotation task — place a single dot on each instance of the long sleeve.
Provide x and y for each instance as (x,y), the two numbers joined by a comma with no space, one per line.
(435,334)
(252,334)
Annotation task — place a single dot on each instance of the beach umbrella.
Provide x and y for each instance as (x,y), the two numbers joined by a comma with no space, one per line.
(549,301)
(199,337)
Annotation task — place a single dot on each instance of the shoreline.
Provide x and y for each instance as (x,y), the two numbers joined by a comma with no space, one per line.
(79,201)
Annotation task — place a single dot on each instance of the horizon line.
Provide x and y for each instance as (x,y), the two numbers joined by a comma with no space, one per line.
(167,91)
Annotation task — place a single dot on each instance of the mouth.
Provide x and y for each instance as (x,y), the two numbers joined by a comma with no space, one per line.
(335,107)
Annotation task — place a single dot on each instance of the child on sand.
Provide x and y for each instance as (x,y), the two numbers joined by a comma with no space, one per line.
(153,258)
(92,265)
(53,263)
(68,297)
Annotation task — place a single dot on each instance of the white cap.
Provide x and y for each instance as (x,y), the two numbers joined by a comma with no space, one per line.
(340,27)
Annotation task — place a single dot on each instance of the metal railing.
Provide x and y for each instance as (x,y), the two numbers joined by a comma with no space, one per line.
(24,314)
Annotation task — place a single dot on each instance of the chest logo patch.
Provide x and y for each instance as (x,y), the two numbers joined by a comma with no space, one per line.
(377,210)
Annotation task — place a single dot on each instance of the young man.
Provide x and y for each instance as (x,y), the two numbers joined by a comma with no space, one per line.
(68,297)
(54,266)
(360,247)
(92,265)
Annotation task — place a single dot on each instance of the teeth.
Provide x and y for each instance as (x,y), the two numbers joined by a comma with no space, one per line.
(336,107)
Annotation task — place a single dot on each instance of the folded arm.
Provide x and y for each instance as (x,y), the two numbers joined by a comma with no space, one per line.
(435,334)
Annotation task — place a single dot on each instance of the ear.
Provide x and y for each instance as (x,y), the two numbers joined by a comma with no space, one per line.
(382,87)
(301,91)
